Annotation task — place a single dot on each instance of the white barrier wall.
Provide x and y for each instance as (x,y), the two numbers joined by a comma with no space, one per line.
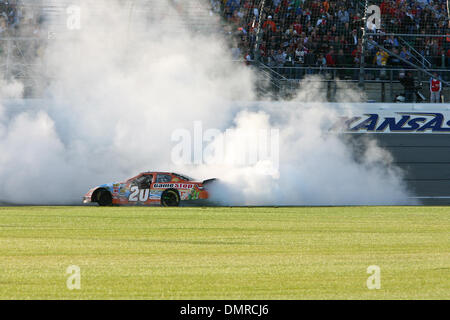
(351,117)
(416,135)
(395,118)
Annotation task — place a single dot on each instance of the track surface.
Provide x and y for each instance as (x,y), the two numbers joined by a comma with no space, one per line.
(225,253)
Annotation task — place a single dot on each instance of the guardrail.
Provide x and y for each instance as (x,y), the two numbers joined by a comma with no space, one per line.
(383,82)
(378,74)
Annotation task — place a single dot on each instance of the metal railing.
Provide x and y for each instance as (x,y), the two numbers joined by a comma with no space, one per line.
(416,56)
(382,84)
(295,73)
(18,56)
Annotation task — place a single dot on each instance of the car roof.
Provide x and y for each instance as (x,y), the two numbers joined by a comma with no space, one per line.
(171,173)
(155,172)
(162,172)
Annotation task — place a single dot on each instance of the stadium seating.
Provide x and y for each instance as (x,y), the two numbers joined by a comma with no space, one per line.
(312,33)
(305,32)
(291,38)
(294,38)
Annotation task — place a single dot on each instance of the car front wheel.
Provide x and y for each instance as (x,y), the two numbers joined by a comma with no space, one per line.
(104,199)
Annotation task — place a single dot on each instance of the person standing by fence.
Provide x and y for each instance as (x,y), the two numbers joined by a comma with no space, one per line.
(435,88)
(408,83)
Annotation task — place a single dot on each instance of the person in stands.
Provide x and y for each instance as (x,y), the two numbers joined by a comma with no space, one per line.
(435,88)
(408,83)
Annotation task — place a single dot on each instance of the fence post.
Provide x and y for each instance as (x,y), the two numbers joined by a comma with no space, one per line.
(258,32)
(8,57)
(391,77)
(363,47)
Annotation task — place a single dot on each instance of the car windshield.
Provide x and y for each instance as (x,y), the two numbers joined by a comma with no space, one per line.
(183,177)
(140,178)
(144,180)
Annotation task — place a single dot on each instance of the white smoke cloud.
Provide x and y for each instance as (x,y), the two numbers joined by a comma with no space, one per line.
(118,91)
(315,166)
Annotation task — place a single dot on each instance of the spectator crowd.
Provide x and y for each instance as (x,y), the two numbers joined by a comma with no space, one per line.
(316,34)
(322,33)
(18,20)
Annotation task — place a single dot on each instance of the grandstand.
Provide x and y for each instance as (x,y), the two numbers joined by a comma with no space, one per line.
(299,37)
(285,40)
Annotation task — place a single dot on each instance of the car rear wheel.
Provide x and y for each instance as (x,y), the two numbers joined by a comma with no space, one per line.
(104,199)
(170,198)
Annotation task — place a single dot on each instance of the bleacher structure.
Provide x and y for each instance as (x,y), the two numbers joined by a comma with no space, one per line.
(379,83)
(19,57)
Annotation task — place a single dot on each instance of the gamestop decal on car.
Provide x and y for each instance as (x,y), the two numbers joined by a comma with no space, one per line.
(150,188)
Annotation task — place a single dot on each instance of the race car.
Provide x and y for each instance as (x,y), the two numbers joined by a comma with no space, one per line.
(150,188)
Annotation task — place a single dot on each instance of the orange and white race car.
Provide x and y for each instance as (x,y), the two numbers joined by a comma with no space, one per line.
(150,188)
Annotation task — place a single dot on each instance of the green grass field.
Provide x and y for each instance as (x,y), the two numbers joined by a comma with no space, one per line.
(225,253)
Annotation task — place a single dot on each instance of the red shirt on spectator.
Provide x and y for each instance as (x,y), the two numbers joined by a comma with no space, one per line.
(298,27)
(435,85)
(391,11)
(385,7)
(356,55)
(249,4)
(271,25)
(330,60)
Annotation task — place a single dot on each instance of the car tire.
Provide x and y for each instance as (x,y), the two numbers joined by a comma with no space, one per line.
(170,198)
(104,199)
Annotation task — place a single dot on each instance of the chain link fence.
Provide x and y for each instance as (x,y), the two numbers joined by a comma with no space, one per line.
(283,33)
(284,39)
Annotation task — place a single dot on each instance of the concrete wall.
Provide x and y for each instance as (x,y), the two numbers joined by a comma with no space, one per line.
(425,160)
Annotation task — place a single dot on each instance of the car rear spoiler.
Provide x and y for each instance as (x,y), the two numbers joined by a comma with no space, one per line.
(208,181)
